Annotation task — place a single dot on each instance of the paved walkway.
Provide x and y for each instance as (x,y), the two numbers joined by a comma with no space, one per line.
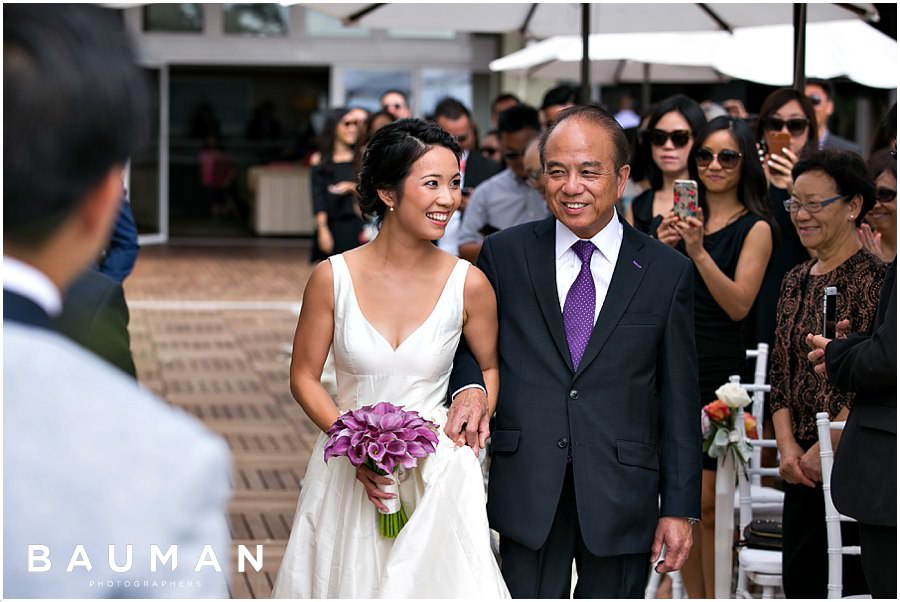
(211,329)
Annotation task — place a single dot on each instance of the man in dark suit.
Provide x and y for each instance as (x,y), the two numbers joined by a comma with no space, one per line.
(866,460)
(820,93)
(596,450)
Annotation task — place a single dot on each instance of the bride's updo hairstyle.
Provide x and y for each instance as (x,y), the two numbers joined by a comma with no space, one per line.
(390,156)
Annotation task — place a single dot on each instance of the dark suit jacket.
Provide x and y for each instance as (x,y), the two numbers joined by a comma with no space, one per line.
(864,481)
(479,168)
(835,142)
(95,316)
(23,310)
(631,412)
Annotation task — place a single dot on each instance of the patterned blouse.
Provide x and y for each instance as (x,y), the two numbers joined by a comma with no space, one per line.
(795,385)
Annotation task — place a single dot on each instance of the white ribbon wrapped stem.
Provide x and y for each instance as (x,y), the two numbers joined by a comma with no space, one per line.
(393,504)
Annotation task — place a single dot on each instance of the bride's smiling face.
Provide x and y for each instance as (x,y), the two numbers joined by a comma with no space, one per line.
(430,194)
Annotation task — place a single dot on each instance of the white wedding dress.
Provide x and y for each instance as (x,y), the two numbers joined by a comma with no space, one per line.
(444,550)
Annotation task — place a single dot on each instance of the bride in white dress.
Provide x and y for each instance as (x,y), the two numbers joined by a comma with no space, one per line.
(394,310)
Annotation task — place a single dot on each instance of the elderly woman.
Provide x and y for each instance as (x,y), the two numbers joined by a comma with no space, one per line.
(832,191)
(879,234)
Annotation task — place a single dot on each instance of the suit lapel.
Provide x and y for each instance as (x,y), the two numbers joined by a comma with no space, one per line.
(23,310)
(627,276)
(541,258)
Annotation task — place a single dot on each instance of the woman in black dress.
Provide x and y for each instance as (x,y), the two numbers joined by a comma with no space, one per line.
(664,149)
(339,223)
(729,243)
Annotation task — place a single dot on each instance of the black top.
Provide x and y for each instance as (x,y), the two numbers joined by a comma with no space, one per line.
(337,206)
(717,335)
(788,253)
(642,209)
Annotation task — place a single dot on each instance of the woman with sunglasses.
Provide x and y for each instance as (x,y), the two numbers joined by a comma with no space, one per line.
(832,191)
(730,243)
(790,111)
(339,223)
(879,235)
(664,149)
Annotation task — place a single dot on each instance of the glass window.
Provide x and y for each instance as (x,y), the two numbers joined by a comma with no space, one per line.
(438,83)
(259,19)
(173,17)
(363,88)
(319,24)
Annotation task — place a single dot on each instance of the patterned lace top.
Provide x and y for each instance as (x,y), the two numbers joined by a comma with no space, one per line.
(795,385)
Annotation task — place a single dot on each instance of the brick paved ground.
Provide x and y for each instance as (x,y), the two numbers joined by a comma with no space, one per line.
(227,364)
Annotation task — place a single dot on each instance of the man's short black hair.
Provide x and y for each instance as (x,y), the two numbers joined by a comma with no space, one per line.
(825,84)
(395,91)
(560,95)
(75,107)
(518,118)
(503,98)
(450,108)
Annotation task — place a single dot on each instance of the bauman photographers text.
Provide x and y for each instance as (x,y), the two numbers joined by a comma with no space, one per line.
(39,560)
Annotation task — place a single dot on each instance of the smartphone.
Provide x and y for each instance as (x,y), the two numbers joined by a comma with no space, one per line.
(776,142)
(829,312)
(687,204)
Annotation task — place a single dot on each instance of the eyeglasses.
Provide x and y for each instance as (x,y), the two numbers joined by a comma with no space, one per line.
(679,138)
(792,205)
(885,195)
(728,159)
(795,125)
(815,99)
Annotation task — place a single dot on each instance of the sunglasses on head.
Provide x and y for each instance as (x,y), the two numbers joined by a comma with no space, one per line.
(679,138)
(728,159)
(795,125)
(885,195)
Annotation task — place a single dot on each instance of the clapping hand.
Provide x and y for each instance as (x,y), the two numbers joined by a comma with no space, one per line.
(870,240)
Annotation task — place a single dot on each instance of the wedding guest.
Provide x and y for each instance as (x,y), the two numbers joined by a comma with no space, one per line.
(784,110)
(555,100)
(506,199)
(878,235)
(831,193)
(339,223)
(396,103)
(490,146)
(94,460)
(820,93)
(729,244)
(534,172)
(664,149)
(502,102)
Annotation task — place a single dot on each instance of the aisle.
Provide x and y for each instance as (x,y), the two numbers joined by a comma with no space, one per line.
(210,330)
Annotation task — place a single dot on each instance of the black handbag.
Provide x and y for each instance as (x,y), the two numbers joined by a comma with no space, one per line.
(763,534)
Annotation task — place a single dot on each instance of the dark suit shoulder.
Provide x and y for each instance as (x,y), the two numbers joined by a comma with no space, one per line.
(522,233)
(656,250)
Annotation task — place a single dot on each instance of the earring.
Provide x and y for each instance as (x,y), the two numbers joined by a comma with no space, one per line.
(851,216)
(391,208)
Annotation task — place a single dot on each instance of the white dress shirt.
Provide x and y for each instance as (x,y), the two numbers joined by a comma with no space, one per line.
(31,283)
(608,242)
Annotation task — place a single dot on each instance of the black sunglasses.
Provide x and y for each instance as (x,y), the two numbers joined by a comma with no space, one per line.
(815,99)
(679,138)
(488,150)
(795,125)
(728,159)
(885,195)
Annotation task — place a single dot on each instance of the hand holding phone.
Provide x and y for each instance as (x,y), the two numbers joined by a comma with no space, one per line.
(687,203)
(777,142)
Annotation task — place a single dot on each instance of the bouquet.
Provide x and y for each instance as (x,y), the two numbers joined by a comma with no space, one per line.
(718,421)
(385,438)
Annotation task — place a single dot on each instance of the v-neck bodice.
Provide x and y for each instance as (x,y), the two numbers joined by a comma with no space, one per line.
(415,374)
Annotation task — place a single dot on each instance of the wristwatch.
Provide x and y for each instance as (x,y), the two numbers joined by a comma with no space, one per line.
(693,521)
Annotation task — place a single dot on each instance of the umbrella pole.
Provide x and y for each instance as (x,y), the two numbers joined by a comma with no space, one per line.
(800,47)
(585,53)
(645,88)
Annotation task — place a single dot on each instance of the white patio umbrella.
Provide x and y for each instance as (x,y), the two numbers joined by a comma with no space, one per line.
(547,19)
(849,49)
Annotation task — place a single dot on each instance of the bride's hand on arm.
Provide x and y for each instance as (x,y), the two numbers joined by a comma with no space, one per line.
(312,340)
(480,329)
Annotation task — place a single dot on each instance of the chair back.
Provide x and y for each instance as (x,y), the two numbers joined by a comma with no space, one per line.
(757,392)
(833,518)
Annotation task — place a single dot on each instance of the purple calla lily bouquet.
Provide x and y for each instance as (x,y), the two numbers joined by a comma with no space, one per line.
(384,437)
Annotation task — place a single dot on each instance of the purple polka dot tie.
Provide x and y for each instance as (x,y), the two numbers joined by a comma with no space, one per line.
(578,312)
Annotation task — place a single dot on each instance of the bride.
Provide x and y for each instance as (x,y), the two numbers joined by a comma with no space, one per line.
(393,311)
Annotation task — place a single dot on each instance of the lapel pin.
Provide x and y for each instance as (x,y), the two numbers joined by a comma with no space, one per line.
(637,265)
